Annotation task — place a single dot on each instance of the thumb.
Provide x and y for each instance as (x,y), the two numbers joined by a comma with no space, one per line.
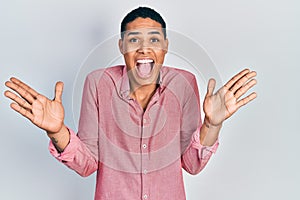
(211,87)
(58,91)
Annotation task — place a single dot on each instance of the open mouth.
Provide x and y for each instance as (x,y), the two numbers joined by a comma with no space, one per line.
(144,67)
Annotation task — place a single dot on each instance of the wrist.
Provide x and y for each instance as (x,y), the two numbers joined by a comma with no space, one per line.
(207,123)
(62,129)
(61,135)
(209,132)
(60,139)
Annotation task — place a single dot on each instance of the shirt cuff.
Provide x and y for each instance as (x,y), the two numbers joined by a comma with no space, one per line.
(69,152)
(204,151)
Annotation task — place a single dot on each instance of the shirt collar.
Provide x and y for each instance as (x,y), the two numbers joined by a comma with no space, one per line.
(125,86)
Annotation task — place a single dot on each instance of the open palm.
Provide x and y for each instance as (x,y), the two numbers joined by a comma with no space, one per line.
(226,101)
(45,113)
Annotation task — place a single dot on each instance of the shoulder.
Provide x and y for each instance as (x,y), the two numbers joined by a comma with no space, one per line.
(181,75)
(181,82)
(113,73)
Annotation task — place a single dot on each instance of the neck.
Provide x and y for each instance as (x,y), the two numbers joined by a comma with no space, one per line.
(143,94)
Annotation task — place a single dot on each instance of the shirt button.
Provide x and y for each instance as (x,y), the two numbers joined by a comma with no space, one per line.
(145,120)
(145,196)
(144,146)
(145,171)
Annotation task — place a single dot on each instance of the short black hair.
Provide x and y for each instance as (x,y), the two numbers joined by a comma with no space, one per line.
(143,12)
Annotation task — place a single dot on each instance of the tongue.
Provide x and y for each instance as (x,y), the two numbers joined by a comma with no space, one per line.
(144,69)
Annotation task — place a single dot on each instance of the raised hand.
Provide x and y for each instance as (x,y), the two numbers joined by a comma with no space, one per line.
(227,100)
(45,113)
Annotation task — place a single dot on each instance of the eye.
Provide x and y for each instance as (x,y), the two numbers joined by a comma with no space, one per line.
(133,40)
(154,40)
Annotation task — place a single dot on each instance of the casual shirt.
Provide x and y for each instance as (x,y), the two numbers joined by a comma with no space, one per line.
(137,153)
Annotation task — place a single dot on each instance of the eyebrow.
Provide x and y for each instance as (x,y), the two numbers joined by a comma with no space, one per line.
(154,32)
(149,33)
(134,33)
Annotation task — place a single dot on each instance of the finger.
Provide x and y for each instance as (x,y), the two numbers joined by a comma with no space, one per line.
(22,111)
(246,100)
(242,81)
(211,87)
(20,90)
(58,91)
(234,79)
(241,91)
(18,100)
(24,86)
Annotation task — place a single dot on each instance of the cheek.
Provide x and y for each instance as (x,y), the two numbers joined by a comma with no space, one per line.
(160,56)
(129,60)
(128,57)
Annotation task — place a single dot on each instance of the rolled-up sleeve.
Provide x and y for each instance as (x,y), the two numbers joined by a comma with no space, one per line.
(69,152)
(76,156)
(197,156)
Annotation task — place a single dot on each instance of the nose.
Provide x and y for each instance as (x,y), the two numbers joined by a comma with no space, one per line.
(144,47)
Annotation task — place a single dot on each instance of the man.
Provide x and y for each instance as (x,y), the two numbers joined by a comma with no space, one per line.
(140,123)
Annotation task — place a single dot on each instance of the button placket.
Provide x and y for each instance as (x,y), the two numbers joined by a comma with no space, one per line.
(144,172)
(145,155)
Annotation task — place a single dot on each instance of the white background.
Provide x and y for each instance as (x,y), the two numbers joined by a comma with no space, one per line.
(42,42)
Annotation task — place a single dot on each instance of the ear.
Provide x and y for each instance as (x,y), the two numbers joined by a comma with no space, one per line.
(121,46)
(166,46)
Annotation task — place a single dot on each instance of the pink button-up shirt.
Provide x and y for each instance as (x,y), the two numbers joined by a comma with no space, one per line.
(137,153)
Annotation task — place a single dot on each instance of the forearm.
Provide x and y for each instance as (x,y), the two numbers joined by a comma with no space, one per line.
(60,139)
(209,133)
(203,144)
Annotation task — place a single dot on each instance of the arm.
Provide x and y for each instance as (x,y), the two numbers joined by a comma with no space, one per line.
(217,108)
(196,155)
(49,115)
(81,154)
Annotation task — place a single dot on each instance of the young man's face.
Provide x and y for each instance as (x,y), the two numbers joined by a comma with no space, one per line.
(144,48)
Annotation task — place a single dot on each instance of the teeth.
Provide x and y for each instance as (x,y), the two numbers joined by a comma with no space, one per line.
(144,61)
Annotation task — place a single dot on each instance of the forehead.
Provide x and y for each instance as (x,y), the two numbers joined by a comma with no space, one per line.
(141,32)
(143,23)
